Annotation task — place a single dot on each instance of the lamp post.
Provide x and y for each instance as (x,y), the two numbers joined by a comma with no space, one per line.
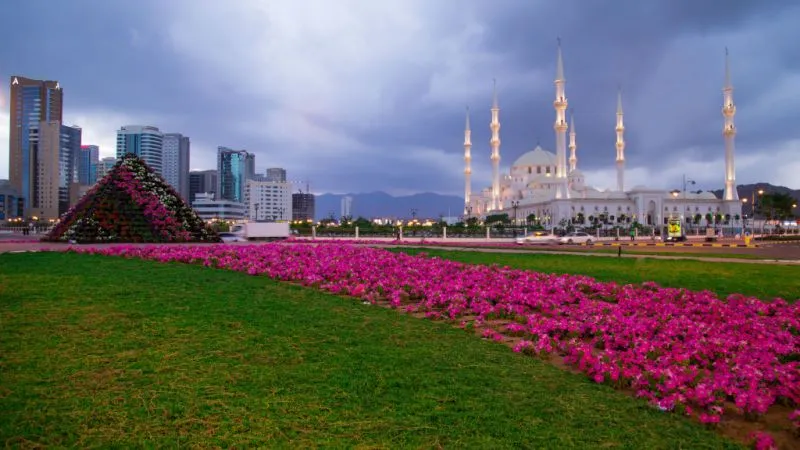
(413,213)
(753,206)
(515,206)
(685,182)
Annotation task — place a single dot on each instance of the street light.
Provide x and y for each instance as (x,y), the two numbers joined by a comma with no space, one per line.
(514,206)
(413,213)
(685,182)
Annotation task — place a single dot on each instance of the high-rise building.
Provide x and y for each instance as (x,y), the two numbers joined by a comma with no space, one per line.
(276,174)
(234,168)
(146,142)
(33,103)
(200,182)
(87,164)
(268,200)
(347,206)
(10,201)
(69,154)
(250,173)
(104,166)
(175,162)
(57,170)
(303,206)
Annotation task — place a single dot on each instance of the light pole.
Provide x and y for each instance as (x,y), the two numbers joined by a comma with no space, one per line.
(514,206)
(413,213)
(753,207)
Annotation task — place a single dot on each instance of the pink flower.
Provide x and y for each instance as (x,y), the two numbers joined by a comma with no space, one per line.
(681,350)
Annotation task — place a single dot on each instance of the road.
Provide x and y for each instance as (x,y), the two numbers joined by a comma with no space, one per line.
(770,253)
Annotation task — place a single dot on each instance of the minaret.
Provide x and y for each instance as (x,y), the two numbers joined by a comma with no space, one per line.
(560,105)
(467,164)
(495,144)
(729,131)
(573,160)
(620,145)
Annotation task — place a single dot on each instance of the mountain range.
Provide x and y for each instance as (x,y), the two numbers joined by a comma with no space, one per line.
(430,205)
(381,204)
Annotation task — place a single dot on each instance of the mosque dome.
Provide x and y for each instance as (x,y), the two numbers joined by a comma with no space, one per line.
(536,157)
(707,196)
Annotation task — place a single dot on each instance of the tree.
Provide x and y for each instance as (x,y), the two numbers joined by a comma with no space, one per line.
(697,218)
(776,206)
(362,222)
(709,218)
(497,218)
(531,218)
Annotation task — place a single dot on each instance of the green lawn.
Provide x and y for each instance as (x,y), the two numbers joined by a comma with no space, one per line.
(651,252)
(108,352)
(631,250)
(765,281)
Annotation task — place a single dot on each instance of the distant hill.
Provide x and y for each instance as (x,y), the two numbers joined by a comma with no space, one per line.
(430,205)
(747,190)
(381,204)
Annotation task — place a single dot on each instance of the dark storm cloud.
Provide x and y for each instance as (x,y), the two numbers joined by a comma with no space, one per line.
(668,57)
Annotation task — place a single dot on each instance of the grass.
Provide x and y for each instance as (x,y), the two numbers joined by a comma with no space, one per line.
(766,281)
(108,352)
(630,250)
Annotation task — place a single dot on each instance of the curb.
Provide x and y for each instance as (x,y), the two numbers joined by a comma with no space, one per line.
(664,244)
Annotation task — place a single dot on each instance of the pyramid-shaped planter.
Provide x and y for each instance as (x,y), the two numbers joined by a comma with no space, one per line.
(131,204)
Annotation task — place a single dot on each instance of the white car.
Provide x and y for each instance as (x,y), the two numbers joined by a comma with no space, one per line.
(576,237)
(538,237)
(231,237)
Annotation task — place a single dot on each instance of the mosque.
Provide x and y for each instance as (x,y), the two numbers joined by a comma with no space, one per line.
(550,186)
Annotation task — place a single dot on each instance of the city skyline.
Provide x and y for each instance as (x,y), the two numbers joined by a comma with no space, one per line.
(356,110)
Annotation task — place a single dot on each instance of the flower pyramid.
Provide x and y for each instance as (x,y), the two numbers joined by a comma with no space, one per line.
(131,204)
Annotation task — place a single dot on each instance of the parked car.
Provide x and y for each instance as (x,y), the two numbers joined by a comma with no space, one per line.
(231,237)
(538,237)
(576,237)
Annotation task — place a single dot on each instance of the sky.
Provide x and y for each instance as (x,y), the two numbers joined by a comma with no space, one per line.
(363,95)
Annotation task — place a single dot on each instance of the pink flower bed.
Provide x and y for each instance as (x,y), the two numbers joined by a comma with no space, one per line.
(682,350)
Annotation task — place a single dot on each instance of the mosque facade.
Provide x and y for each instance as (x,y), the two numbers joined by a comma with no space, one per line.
(551,187)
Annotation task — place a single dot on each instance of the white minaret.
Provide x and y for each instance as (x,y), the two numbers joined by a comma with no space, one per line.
(729,131)
(573,160)
(467,164)
(494,142)
(620,145)
(560,105)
